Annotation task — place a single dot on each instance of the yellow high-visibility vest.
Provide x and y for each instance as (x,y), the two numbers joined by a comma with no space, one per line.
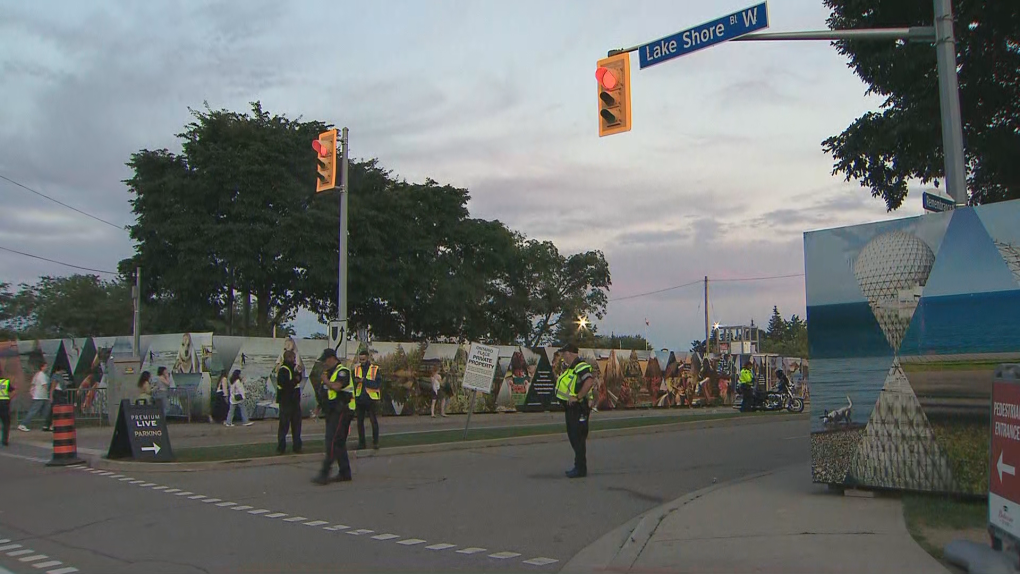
(566,385)
(5,389)
(332,395)
(373,372)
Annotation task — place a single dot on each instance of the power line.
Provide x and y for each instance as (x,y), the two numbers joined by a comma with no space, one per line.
(2,248)
(701,281)
(58,202)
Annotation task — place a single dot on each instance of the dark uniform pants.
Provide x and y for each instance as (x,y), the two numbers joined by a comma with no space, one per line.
(338,425)
(367,406)
(290,420)
(577,432)
(5,418)
(747,403)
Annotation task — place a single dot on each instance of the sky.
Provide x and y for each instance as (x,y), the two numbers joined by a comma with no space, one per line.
(720,176)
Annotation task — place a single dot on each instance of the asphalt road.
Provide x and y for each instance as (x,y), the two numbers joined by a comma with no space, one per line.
(427,512)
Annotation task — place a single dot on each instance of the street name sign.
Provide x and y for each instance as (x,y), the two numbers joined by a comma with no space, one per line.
(480,368)
(1003,482)
(937,203)
(141,433)
(708,34)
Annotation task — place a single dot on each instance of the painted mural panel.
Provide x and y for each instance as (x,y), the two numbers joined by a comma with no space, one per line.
(906,321)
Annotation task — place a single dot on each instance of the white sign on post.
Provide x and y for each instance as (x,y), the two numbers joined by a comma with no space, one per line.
(337,338)
(480,368)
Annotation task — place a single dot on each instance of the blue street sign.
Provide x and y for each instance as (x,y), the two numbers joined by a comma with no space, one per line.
(932,202)
(708,34)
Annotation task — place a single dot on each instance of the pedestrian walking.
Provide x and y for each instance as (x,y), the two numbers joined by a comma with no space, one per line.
(574,390)
(367,394)
(339,408)
(237,396)
(221,399)
(5,408)
(288,396)
(145,387)
(164,382)
(40,398)
(59,387)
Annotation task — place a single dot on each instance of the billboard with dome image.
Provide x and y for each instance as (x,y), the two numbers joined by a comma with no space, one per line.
(907,320)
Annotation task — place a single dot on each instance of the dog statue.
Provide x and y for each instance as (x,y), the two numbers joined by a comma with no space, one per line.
(841,415)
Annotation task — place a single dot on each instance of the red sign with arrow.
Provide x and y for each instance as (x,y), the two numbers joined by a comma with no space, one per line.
(1003,482)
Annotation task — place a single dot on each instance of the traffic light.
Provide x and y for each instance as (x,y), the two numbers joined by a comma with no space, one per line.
(613,75)
(325,155)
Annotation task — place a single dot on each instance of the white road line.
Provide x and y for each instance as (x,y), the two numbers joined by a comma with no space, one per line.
(137,481)
(471,550)
(4,540)
(411,542)
(242,507)
(384,537)
(295,519)
(105,473)
(21,552)
(115,476)
(541,561)
(258,511)
(35,558)
(148,484)
(360,531)
(225,504)
(9,547)
(184,493)
(212,500)
(160,487)
(127,478)
(316,523)
(198,497)
(276,515)
(336,527)
(442,546)
(67,570)
(504,555)
(49,564)
(172,490)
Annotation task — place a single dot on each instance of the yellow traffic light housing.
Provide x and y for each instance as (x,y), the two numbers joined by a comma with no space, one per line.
(325,156)
(613,75)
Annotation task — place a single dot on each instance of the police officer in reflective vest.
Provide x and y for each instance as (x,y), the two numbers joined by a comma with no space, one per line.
(367,392)
(574,390)
(339,407)
(288,396)
(5,407)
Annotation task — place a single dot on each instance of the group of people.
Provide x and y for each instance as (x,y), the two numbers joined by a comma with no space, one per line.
(748,388)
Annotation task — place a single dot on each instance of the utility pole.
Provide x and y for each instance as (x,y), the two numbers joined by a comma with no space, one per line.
(949,102)
(136,298)
(342,276)
(707,338)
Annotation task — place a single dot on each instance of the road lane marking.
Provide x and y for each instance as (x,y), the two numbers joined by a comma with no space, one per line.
(62,571)
(105,473)
(411,542)
(197,497)
(385,537)
(148,484)
(336,527)
(242,507)
(316,523)
(471,550)
(295,519)
(258,511)
(4,540)
(160,487)
(172,490)
(442,546)
(225,504)
(184,493)
(49,564)
(9,547)
(126,478)
(541,561)
(21,552)
(35,558)
(276,515)
(115,476)
(360,531)
(504,555)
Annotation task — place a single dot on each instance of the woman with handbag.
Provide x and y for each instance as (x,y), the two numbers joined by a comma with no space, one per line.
(221,399)
(237,400)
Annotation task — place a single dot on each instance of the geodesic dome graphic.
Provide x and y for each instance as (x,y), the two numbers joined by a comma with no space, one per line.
(891,271)
(1011,254)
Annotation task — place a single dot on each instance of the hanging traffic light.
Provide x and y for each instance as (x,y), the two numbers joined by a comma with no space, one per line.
(613,75)
(325,156)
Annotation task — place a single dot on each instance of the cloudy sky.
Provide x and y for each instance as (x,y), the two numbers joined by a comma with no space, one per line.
(721,175)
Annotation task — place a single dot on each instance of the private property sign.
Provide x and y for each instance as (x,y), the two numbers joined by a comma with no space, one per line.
(1003,482)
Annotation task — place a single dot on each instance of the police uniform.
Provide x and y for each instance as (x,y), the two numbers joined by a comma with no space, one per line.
(367,393)
(288,396)
(746,380)
(5,408)
(339,407)
(567,385)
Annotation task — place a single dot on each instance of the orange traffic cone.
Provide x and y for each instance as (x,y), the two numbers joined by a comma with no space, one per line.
(65,440)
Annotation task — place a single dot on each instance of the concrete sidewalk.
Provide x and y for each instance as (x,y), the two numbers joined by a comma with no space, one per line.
(93,440)
(777,522)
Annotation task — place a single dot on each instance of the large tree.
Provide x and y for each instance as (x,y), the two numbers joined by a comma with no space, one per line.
(74,306)
(884,150)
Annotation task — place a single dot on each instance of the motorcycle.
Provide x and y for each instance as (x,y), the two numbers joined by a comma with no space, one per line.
(776,400)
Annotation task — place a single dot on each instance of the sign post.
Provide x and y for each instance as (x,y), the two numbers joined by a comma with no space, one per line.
(1003,481)
(478,374)
(141,433)
(937,203)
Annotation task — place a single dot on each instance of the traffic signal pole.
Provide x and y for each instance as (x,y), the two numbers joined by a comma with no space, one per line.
(342,274)
(941,34)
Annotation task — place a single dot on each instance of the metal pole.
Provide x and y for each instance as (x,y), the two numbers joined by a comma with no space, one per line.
(707,338)
(471,409)
(949,102)
(137,324)
(342,274)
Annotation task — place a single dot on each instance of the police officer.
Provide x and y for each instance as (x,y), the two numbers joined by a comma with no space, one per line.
(367,393)
(5,407)
(746,380)
(574,390)
(288,396)
(339,407)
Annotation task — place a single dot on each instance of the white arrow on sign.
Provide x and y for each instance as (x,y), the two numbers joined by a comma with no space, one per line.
(155,451)
(1003,467)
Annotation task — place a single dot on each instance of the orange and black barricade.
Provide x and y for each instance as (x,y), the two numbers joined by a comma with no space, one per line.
(65,441)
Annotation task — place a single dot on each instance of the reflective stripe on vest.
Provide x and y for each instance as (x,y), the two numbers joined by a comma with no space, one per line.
(566,385)
(746,377)
(373,371)
(5,389)
(332,395)
(290,375)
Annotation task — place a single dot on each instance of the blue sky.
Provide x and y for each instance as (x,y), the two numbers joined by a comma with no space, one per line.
(720,176)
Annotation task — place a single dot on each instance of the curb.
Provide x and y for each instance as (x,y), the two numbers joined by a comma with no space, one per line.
(99,462)
(618,550)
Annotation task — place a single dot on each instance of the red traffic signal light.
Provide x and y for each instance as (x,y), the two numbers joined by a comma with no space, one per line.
(606,78)
(613,75)
(319,148)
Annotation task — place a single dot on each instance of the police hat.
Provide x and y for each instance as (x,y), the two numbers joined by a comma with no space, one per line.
(327,354)
(569,348)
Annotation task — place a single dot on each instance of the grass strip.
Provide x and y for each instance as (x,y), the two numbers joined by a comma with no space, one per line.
(258,450)
(923,513)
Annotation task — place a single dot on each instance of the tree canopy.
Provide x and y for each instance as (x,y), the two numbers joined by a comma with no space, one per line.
(74,306)
(786,337)
(884,150)
(231,225)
